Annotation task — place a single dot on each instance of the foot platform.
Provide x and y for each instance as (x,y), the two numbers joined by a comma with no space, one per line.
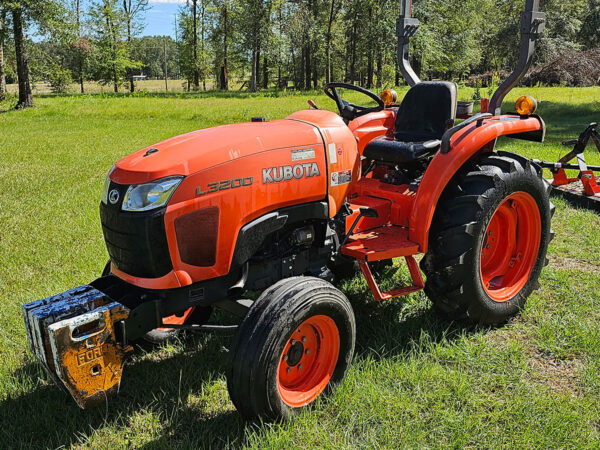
(385,243)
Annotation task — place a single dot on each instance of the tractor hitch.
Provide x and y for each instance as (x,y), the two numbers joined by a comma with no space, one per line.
(75,337)
(583,190)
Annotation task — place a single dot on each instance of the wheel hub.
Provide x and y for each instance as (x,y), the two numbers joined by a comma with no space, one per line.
(308,360)
(510,246)
(295,353)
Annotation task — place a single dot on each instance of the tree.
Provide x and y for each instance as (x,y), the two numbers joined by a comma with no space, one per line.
(333,10)
(193,58)
(221,37)
(133,9)
(2,64)
(25,94)
(256,30)
(196,72)
(109,26)
(589,34)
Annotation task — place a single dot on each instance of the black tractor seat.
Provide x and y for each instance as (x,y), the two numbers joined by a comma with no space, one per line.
(428,108)
(392,151)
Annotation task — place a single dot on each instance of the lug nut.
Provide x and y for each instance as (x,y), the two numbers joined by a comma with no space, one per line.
(289,369)
(299,366)
(307,351)
(285,357)
(292,342)
(303,338)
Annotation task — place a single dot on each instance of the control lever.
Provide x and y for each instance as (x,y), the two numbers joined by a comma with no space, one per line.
(364,212)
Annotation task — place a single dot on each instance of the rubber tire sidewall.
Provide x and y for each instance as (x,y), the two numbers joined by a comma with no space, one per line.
(452,264)
(262,336)
(501,311)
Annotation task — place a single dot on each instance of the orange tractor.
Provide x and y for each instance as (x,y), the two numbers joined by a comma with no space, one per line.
(289,206)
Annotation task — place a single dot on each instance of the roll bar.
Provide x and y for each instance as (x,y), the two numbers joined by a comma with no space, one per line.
(533,23)
(406,27)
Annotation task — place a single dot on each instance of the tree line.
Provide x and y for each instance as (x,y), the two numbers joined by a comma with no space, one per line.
(261,44)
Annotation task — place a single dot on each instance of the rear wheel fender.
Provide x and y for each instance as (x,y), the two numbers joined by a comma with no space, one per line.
(465,145)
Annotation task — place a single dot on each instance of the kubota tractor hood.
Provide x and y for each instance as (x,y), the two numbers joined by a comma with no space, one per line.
(199,150)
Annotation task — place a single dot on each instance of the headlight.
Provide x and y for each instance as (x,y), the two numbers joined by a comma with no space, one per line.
(105,189)
(147,196)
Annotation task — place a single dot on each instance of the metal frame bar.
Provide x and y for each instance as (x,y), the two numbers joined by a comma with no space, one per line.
(532,25)
(406,27)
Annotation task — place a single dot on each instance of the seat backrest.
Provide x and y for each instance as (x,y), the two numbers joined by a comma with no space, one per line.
(425,111)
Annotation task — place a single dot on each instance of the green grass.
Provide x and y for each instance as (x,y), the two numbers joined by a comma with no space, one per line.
(415,381)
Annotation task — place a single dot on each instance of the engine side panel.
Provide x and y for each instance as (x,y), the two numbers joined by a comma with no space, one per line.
(341,153)
(242,190)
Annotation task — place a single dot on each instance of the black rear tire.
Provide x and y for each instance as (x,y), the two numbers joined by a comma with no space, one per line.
(458,236)
(257,352)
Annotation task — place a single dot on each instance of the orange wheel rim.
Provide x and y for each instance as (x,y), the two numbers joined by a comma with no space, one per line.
(510,247)
(308,361)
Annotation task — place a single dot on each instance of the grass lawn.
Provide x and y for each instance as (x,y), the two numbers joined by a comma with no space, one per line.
(416,380)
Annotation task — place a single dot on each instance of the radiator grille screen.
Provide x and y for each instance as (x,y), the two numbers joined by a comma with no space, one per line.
(197,234)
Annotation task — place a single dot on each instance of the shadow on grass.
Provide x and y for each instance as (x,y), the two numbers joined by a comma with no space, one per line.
(399,326)
(48,417)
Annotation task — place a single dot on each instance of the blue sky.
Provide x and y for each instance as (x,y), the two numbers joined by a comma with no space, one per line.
(160,17)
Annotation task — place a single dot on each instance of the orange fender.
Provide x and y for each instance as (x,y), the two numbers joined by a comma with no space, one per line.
(465,144)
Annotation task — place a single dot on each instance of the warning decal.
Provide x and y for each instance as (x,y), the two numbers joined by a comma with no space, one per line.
(339,178)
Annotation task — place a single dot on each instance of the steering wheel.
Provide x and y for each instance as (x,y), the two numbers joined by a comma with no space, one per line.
(350,111)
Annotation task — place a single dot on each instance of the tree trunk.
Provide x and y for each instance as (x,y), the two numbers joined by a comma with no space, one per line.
(113,52)
(202,27)
(328,43)
(307,68)
(25,96)
(79,48)
(224,79)
(280,20)
(2,71)
(166,67)
(379,68)
(128,13)
(353,55)
(253,84)
(295,68)
(370,58)
(265,72)
(196,73)
(131,83)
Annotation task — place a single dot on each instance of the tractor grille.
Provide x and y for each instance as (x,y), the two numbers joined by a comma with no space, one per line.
(136,241)
(197,234)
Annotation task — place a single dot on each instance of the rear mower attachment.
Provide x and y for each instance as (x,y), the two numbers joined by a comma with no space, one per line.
(584,189)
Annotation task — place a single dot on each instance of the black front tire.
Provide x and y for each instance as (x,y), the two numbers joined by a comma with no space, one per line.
(458,232)
(253,377)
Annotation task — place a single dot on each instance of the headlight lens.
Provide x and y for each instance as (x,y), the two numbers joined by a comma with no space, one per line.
(147,196)
(105,189)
